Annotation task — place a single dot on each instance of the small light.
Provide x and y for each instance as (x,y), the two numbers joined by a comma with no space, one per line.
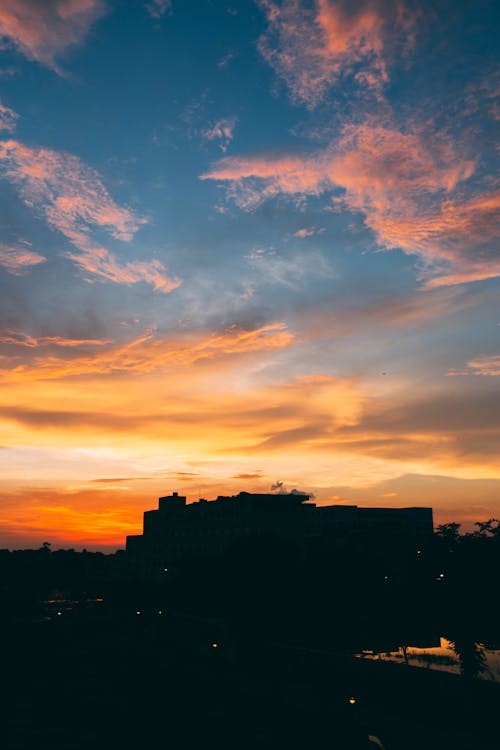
(138,612)
(59,613)
(215,645)
(386,578)
(419,552)
(166,570)
(160,612)
(352,701)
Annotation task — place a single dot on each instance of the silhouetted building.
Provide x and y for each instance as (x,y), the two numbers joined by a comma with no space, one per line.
(178,530)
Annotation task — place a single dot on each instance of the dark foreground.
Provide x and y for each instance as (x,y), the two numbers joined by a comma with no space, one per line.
(166,682)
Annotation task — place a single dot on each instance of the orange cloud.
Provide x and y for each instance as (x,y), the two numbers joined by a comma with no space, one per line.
(17,260)
(70,193)
(488,365)
(311,46)
(148,353)
(323,425)
(375,165)
(42,31)
(101,262)
(465,232)
(74,201)
(352,37)
(213,417)
(404,185)
(308,232)
(100,426)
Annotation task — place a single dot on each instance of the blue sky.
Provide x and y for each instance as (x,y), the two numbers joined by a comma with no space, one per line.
(243,242)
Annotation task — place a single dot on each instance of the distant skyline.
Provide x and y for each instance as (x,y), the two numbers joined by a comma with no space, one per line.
(246,243)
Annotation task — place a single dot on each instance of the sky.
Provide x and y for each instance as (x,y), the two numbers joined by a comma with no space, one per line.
(246,244)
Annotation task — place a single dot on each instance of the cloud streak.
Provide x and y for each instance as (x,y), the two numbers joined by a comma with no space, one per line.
(488,365)
(75,202)
(407,185)
(308,232)
(17,338)
(148,353)
(316,416)
(18,260)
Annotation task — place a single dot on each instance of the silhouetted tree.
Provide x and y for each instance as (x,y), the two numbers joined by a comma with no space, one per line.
(471,657)
(487,529)
(449,533)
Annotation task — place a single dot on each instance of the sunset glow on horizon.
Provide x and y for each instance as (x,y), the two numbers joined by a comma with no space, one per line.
(245,244)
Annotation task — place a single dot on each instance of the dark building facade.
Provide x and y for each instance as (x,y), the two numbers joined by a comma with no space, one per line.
(178,530)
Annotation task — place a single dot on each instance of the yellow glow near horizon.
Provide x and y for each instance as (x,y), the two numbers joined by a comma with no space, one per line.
(86,454)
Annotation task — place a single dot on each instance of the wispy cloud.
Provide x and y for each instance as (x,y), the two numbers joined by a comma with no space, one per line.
(398,311)
(460,427)
(18,260)
(149,352)
(288,270)
(308,232)
(74,201)
(406,184)
(312,45)
(42,30)
(226,59)
(158,8)
(70,193)
(301,413)
(221,131)
(374,165)
(248,475)
(488,365)
(464,233)
(17,338)
(8,118)
(101,262)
